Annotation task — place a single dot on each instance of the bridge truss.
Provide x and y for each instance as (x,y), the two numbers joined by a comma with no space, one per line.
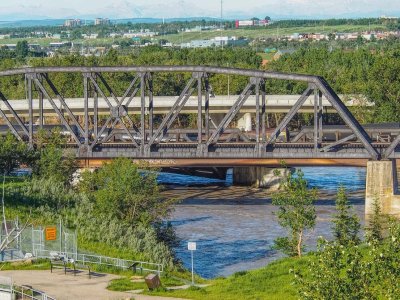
(95,138)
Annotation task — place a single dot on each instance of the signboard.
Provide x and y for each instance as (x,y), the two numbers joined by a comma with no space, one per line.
(192,246)
(51,233)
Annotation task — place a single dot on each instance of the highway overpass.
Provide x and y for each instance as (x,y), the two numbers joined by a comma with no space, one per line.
(162,104)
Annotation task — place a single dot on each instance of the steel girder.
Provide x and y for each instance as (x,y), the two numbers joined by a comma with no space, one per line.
(146,137)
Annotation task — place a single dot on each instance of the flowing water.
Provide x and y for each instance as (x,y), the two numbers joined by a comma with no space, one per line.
(235,227)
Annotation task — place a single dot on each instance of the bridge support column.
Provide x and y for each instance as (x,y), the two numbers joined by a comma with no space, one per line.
(260,177)
(244,122)
(382,185)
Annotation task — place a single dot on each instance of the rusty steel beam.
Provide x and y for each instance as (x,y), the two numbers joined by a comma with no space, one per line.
(229,163)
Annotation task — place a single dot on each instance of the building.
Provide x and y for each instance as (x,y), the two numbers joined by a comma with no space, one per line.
(216,42)
(251,23)
(60,45)
(143,33)
(90,36)
(101,21)
(73,22)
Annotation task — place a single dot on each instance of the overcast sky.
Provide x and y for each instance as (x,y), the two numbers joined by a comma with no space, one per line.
(34,9)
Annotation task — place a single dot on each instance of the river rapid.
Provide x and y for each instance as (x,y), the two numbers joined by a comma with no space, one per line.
(234,227)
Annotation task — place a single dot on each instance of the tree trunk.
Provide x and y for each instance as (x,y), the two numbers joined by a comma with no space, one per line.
(299,243)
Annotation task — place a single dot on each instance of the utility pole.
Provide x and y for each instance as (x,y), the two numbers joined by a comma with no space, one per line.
(220,27)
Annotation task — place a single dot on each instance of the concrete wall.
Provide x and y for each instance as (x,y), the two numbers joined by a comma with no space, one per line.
(260,177)
(382,184)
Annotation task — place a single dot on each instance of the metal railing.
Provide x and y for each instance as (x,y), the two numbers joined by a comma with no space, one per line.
(102,260)
(23,292)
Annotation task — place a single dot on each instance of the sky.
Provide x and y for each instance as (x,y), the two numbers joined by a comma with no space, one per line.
(118,9)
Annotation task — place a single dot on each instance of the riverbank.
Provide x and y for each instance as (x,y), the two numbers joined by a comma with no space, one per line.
(235,227)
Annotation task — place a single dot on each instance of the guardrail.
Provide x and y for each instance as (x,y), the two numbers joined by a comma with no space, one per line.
(20,292)
(103,260)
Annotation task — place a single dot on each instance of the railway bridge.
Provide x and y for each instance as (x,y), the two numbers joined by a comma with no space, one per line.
(211,145)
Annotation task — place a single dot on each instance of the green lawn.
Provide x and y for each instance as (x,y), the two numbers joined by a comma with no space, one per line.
(271,282)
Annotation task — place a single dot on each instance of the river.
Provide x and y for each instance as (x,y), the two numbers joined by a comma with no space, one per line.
(234,227)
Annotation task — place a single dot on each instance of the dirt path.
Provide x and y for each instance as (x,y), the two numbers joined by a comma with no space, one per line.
(70,287)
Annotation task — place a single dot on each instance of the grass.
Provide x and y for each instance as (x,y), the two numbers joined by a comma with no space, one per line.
(125,284)
(266,56)
(38,264)
(271,282)
(267,32)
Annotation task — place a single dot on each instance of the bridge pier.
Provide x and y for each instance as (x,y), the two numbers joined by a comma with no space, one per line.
(382,185)
(260,177)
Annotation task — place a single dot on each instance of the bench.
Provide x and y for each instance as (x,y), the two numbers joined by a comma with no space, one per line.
(61,264)
(58,264)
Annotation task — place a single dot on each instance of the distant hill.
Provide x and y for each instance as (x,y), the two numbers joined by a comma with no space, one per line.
(31,23)
(58,22)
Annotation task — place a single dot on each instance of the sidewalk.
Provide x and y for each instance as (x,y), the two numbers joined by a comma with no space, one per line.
(70,287)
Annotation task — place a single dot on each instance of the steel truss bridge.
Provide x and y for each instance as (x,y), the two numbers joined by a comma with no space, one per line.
(119,135)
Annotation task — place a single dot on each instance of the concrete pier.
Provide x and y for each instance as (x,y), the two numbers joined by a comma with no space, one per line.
(260,177)
(244,122)
(382,185)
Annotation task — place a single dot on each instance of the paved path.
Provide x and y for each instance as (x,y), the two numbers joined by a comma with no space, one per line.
(70,287)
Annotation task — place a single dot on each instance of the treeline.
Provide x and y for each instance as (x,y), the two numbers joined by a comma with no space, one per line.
(374,74)
(331,22)
(71,85)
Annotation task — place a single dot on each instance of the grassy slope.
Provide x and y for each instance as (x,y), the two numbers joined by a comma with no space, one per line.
(267,32)
(271,282)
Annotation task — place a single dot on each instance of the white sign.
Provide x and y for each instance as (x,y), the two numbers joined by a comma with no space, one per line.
(192,246)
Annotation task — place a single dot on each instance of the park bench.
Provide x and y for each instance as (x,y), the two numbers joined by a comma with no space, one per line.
(62,264)
(58,264)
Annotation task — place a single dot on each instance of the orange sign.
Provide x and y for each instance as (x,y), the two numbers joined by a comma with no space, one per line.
(51,233)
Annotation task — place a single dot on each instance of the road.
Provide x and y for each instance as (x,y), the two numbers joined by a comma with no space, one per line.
(163,104)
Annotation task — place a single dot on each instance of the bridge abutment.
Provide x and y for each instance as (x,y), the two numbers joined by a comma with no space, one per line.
(382,185)
(260,177)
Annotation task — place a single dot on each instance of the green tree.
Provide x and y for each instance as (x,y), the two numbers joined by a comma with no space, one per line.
(346,224)
(121,190)
(13,153)
(22,49)
(338,272)
(296,212)
(374,228)
(54,162)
